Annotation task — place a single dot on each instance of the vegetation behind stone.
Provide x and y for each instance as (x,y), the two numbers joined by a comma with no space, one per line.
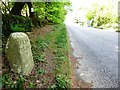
(14,23)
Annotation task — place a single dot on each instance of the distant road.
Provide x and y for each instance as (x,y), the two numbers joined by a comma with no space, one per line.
(97,52)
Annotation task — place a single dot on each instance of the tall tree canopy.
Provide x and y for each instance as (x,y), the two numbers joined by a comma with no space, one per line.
(53,12)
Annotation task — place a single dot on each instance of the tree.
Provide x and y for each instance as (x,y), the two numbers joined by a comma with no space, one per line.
(6,6)
(103,16)
(91,12)
(53,12)
(18,6)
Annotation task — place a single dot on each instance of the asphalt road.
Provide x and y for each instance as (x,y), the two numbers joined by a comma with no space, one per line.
(97,53)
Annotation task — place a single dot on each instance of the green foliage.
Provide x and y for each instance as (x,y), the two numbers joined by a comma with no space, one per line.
(13,23)
(9,6)
(31,85)
(0,82)
(38,48)
(41,44)
(62,81)
(91,13)
(52,87)
(40,71)
(20,82)
(9,83)
(61,57)
(102,16)
(39,9)
(40,58)
(17,28)
(54,12)
(57,42)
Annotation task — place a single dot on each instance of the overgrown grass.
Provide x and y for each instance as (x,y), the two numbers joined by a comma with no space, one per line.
(8,82)
(55,42)
(61,48)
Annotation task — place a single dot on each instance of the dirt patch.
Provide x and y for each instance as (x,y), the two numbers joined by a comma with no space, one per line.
(39,31)
(43,81)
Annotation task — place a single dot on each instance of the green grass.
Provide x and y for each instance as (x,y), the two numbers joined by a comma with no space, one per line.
(17,28)
(38,48)
(31,85)
(56,43)
(9,83)
(61,49)
(40,71)
(40,58)
(0,82)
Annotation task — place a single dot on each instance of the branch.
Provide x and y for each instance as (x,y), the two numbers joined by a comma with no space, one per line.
(6,6)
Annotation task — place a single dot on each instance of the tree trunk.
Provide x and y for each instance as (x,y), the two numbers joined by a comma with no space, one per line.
(18,6)
(30,6)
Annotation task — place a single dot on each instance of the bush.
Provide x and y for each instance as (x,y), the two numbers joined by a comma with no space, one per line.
(103,19)
(102,16)
(14,23)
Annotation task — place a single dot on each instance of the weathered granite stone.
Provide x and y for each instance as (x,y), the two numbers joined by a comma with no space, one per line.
(18,52)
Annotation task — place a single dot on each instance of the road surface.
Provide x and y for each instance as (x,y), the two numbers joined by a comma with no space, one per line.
(97,53)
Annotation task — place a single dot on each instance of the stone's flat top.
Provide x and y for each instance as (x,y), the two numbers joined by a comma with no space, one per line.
(18,35)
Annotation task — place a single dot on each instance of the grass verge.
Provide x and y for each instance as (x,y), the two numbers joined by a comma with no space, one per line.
(52,66)
(61,48)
